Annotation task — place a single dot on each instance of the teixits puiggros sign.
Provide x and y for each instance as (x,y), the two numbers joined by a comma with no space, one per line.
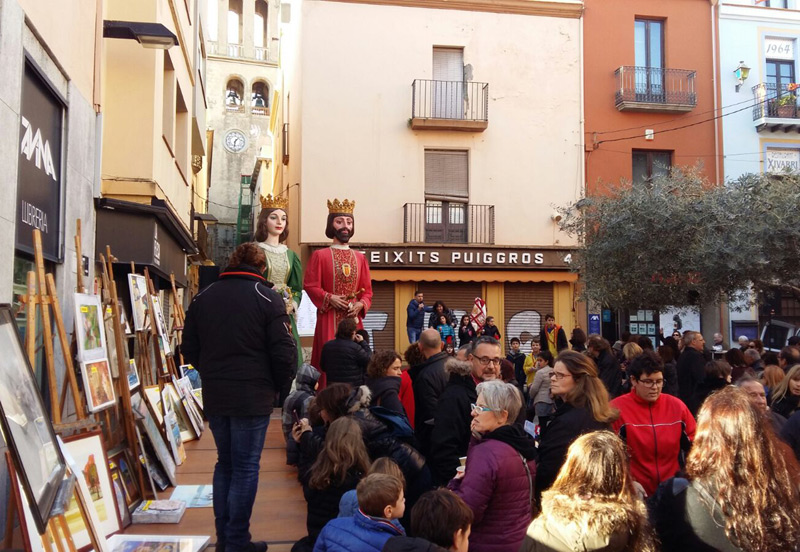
(40,162)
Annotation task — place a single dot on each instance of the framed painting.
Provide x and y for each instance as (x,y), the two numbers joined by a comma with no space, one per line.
(184,388)
(121,467)
(138,288)
(89,327)
(133,375)
(161,325)
(98,385)
(89,452)
(157,543)
(153,397)
(31,539)
(187,430)
(153,433)
(26,425)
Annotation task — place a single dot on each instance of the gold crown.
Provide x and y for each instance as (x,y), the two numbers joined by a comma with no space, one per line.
(344,207)
(270,202)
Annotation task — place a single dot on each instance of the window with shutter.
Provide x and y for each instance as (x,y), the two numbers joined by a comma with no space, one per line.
(446,196)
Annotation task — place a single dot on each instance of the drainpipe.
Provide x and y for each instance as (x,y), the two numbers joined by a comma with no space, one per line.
(717,91)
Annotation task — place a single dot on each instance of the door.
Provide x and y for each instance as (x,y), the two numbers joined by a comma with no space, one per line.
(448,83)
(780,73)
(649,60)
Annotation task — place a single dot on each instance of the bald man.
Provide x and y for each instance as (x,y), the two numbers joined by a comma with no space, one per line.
(428,380)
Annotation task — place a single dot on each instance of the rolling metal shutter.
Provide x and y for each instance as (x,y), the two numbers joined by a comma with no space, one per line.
(525,307)
(458,296)
(380,318)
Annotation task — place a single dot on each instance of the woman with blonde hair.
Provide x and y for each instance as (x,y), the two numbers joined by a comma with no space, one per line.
(771,377)
(741,490)
(592,505)
(339,467)
(581,406)
(786,395)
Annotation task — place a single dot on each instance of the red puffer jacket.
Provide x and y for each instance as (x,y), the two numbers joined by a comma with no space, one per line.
(655,434)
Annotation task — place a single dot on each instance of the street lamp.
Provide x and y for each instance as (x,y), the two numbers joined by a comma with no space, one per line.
(149,35)
(741,72)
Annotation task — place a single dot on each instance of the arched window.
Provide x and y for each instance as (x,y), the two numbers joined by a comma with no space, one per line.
(260,24)
(259,98)
(213,20)
(235,28)
(234,94)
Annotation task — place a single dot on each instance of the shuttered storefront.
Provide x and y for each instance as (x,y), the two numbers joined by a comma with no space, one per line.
(525,307)
(381,316)
(458,296)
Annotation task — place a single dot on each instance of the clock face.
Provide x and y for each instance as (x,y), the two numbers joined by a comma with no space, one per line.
(235,141)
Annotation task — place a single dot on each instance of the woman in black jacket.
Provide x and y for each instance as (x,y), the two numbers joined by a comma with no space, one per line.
(466,331)
(383,379)
(439,309)
(786,395)
(581,407)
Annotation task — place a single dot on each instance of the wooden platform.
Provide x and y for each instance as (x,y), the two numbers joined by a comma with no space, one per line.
(279,514)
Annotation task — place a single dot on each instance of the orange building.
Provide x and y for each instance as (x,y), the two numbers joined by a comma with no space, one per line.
(649,69)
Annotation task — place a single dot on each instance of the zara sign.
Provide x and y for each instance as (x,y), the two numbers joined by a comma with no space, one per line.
(40,166)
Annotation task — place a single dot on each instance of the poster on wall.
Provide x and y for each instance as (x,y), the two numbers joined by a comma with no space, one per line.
(40,170)
(679,319)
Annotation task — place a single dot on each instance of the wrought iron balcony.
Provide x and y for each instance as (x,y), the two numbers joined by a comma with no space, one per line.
(449,105)
(448,222)
(775,109)
(655,89)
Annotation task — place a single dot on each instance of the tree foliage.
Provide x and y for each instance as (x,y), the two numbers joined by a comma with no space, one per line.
(680,241)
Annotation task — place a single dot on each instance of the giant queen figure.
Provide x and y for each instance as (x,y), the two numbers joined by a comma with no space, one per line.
(337,279)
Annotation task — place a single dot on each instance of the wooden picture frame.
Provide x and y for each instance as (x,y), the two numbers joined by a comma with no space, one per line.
(133,375)
(26,425)
(98,385)
(89,452)
(31,539)
(137,284)
(188,432)
(153,433)
(120,464)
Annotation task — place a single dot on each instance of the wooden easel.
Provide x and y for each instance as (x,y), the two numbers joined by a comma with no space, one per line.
(178,316)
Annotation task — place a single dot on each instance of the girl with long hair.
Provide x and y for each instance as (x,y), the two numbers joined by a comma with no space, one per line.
(592,505)
(338,468)
(741,490)
(786,395)
(466,331)
(771,377)
(581,406)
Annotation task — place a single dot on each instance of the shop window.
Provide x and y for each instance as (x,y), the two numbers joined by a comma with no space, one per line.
(650,164)
(259,98)
(446,196)
(234,92)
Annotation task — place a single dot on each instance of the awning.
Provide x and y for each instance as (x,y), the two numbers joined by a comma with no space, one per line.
(147,235)
(402,275)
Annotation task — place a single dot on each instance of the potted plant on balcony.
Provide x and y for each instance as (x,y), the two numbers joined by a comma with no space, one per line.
(787,106)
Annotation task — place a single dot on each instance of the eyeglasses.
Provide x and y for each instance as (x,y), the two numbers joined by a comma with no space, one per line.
(480,408)
(652,383)
(559,375)
(486,360)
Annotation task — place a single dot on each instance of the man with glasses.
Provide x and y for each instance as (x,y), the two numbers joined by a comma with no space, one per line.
(656,427)
(451,428)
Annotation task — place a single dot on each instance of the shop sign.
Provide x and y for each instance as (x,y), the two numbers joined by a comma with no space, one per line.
(39,175)
(465,257)
(783,160)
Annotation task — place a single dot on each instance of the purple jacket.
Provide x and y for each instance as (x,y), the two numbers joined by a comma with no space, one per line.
(497,489)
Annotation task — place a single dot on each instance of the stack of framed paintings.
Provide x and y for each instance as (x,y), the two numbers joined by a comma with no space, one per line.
(90,335)
(153,434)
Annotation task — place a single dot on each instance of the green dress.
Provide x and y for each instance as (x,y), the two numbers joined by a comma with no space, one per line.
(286,274)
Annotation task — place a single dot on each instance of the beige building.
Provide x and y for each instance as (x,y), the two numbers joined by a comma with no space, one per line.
(457,132)
(243,80)
(154,171)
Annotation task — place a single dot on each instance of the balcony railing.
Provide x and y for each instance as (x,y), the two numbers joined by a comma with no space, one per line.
(655,89)
(774,103)
(448,222)
(449,105)
(259,110)
(234,50)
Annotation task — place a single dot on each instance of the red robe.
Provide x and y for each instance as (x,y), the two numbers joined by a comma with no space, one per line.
(335,271)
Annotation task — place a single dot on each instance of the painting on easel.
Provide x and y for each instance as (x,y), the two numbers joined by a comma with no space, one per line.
(89,327)
(98,385)
(26,425)
(138,287)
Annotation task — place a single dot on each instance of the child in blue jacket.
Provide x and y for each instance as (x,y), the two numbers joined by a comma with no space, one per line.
(380,500)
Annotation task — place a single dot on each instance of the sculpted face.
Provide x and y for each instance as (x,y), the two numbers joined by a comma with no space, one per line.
(343,228)
(276,222)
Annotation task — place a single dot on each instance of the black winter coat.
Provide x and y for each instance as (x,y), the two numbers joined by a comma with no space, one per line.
(428,381)
(702,391)
(518,360)
(410,544)
(323,505)
(386,393)
(691,371)
(466,334)
(786,405)
(609,373)
(561,340)
(681,518)
(790,432)
(345,361)
(451,432)
(670,379)
(567,424)
(239,337)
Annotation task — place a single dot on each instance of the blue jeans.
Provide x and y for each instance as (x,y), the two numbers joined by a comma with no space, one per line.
(413,334)
(240,440)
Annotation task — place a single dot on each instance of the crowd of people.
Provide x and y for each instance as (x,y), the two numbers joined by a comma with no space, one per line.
(578,445)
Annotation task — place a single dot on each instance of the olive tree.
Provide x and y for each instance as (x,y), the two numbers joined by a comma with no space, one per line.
(679,241)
